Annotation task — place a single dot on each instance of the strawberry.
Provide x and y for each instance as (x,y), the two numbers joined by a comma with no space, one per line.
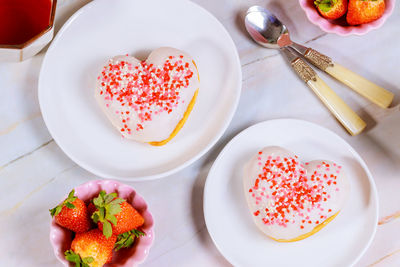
(91,248)
(364,11)
(109,258)
(114,215)
(72,214)
(331,9)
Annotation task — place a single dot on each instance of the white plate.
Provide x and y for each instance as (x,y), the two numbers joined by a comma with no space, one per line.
(103,29)
(340,243)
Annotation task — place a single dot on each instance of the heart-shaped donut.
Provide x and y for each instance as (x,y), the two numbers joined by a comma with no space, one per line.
(289,200)
(148,101)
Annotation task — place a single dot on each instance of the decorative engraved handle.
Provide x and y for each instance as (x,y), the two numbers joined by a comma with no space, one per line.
(343,113)
(305,72)
(319,60)
(367,89)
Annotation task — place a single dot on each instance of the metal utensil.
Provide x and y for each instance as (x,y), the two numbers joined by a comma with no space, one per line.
(269,32)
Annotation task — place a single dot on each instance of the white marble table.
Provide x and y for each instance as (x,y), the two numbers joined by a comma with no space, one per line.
(35,173)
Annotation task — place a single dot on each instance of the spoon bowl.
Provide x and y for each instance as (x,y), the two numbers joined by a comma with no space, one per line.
(266,29)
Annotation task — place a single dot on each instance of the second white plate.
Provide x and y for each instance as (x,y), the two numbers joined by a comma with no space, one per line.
(103,29)
(340,243)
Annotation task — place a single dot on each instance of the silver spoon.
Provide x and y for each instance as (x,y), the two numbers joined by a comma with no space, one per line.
(269,32)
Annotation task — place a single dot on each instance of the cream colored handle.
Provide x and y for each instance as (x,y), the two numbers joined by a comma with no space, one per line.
(343,113)
(368,89)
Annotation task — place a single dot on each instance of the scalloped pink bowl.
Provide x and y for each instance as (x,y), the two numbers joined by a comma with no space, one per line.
(338,26)
(60,238)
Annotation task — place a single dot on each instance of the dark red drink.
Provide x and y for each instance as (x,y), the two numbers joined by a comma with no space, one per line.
(20,20)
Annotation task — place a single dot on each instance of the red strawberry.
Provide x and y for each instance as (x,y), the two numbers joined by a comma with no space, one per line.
(331,9)
(127,219)
(109,258)
(72,214)
(114,215)
(91,248)
(364,11)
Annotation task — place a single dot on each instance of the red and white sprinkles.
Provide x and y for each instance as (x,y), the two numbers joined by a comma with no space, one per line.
(284,193)
(144,89)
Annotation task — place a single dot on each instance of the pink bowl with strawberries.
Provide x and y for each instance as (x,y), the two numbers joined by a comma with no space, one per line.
(340,26)
(61,238)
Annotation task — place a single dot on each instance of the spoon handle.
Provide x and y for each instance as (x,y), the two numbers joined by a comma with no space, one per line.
(364,87)
(343,113)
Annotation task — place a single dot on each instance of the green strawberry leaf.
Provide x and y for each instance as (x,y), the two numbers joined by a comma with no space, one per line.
(101,214)
(97,201)
(111,218)
(102,194)
(114,209)
(107,229)
(325,5)
(55,211)
(70,205)
(137,233)
(71,194)
(71,197)
(66,203)
(126,240)
(73,257)
(95,217)
(107,205)
(88,260)
(117,201)
(108,198)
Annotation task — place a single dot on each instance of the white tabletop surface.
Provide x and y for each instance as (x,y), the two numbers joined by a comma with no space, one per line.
(35,173)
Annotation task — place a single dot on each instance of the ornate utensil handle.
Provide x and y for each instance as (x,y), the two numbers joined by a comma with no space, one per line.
(317,59)
(364,87)
(343,113)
